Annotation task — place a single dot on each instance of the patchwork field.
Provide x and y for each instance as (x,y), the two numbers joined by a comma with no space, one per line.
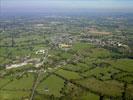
(51,86)
(66,58)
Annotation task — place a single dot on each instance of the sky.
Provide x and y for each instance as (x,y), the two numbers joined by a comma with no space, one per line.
(65,5)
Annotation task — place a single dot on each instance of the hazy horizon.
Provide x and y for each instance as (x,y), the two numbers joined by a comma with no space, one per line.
(52,6)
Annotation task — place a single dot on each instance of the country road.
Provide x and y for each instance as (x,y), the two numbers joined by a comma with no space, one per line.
(37,79)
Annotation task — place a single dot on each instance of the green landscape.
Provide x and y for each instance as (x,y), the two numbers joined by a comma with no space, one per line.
(66,57)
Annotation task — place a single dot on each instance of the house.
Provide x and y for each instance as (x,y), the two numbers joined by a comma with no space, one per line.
(64,46)
(40,52)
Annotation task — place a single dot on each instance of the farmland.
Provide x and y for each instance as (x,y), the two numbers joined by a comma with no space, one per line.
(66,58)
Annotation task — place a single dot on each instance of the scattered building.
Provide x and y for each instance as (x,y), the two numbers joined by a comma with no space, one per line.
(64,46)
(46,89)
(40,52)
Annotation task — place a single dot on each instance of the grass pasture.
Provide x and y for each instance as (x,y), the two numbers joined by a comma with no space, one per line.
(109,88)
(51,86)
(25,82)
(73,92)
(103,73)
(14,95)
(4,81)
(68,74)
(79,67)
(123,64)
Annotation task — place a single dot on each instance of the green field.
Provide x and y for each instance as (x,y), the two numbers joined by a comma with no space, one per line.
(4,81)
(51,86)
(20,83)
(109,88)
(74,92)
(123,64)
(103,73)
(68,74)
(14,95)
